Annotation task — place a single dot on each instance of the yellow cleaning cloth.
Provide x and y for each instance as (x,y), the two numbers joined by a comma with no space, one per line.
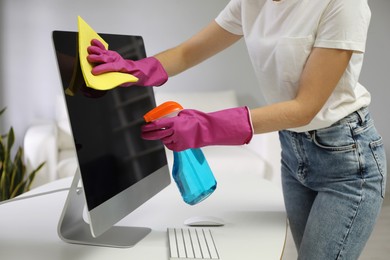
(104,81)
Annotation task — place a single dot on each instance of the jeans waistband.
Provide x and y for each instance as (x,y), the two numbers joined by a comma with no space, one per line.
(359,115)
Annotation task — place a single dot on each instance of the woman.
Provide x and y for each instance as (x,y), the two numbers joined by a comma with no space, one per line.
(307,56)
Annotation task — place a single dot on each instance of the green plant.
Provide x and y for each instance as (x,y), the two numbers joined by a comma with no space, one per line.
(13,178)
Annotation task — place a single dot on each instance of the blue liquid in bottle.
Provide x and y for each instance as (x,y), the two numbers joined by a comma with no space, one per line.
(193,175)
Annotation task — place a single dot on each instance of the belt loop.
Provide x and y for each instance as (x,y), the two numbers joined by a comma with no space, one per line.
(361,116)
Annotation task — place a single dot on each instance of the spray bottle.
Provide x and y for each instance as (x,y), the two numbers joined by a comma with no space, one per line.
(190,170)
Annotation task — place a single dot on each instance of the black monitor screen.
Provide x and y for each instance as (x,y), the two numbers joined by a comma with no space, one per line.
(106,124)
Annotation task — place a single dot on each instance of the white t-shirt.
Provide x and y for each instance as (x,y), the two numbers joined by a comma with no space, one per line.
(280,36)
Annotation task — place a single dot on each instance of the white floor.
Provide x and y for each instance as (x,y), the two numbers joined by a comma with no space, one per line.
(377,248)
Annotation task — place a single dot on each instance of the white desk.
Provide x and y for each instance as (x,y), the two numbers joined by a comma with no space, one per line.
(251,207)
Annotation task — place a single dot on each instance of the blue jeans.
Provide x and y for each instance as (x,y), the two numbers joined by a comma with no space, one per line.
(333,184)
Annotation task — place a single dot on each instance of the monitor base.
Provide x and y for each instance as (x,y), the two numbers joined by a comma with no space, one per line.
(72,227)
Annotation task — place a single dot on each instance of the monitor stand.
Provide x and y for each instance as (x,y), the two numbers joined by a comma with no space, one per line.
(72,227)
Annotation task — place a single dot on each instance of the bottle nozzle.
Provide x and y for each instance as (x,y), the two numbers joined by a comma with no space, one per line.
(166,109)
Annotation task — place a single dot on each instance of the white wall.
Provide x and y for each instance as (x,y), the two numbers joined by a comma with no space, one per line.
(29,79)
(376,70)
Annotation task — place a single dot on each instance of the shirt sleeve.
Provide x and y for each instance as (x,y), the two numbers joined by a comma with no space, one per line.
(230,17)
(344,25)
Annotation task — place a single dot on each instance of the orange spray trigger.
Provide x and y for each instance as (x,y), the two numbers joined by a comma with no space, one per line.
(166,109)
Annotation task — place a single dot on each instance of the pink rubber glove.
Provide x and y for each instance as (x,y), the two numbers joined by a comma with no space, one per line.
(194,129)
(149,71)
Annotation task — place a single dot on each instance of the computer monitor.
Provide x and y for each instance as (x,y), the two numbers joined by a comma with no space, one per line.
(119,171)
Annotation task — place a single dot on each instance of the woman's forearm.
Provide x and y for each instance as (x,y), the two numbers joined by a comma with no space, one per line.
(206,43)
(173,61)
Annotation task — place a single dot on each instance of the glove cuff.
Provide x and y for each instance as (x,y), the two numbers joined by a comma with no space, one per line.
(158,75)
(231,126)
(252,131)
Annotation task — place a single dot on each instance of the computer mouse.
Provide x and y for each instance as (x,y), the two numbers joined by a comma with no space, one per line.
(203,221)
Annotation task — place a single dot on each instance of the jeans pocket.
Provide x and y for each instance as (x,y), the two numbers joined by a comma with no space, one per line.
(378,151)
(336,138)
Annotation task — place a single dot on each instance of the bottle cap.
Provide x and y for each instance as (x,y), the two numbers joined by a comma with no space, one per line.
(163,110)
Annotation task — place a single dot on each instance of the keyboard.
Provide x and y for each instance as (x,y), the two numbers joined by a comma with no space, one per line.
(191,244)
